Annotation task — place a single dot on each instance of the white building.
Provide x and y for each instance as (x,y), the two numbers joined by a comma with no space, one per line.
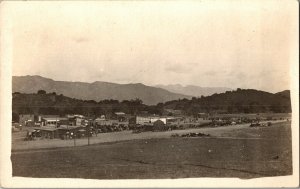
(53,121)
(149,119)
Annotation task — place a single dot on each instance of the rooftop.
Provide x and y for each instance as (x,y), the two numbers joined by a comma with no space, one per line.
(119,113)
(55,118)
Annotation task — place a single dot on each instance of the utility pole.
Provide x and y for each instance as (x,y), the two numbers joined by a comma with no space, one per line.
(95,126)
(88,133)
(74,136)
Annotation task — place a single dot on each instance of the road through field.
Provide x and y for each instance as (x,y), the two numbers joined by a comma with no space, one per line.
(19,144)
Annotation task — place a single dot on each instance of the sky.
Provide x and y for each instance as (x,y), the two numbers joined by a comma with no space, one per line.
(235,44)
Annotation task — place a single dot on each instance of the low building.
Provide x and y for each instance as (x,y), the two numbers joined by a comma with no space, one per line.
(76,120)
(54,121)
(26,119)
(16,126)
(45,132)
(171,120)
(67,132)
(149,119)
(121,116)
(100,122)
(63,132)
(40,117)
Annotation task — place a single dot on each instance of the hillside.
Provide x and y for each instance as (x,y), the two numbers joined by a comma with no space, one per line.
(54,104)
(285,94)
(94,91)
(193,90)
(239,101)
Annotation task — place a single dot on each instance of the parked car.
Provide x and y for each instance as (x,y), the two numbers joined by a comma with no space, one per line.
(29,136)
(255,125)
(16,126)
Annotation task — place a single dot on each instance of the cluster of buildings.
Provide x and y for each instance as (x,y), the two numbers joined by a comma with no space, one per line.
(32,120)
(55,126)
(69,126)
(118,118)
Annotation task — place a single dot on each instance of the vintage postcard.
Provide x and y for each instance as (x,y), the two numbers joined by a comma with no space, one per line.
(149,94)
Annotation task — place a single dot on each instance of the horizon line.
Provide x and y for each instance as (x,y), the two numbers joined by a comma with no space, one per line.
(156,85)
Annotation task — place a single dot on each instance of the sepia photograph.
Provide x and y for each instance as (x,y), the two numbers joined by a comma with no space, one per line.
(160,91)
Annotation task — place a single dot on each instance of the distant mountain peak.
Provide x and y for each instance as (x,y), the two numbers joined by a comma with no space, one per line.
(97,90)
(102,82)
(193,90)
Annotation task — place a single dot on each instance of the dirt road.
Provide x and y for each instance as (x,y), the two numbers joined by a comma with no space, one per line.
(120,136)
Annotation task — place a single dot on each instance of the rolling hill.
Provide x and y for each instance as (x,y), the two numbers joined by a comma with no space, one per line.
(53,104)
(94,91)
(285,94)
(238,101)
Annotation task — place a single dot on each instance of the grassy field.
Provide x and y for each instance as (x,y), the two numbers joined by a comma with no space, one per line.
(245,153)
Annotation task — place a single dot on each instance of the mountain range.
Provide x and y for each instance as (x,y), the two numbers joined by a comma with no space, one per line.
(168,94)
(94,91)
(192,90)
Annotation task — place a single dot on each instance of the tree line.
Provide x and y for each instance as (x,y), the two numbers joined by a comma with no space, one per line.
(239,101)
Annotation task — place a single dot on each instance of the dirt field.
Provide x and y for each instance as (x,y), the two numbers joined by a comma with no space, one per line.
(260,115)
(18,142)
(240,152)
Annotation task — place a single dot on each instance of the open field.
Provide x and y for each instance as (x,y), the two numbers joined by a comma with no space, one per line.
(18,142)
(238,151)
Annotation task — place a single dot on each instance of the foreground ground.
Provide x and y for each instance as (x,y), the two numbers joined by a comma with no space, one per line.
(237,152)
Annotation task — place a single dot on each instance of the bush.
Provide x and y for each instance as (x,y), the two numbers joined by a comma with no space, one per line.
(41,92)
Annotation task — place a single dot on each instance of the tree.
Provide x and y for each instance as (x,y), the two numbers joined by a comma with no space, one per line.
(41,92)
(15,117)
(136,101)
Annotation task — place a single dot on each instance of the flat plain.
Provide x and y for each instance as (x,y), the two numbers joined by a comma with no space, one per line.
(240,151)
